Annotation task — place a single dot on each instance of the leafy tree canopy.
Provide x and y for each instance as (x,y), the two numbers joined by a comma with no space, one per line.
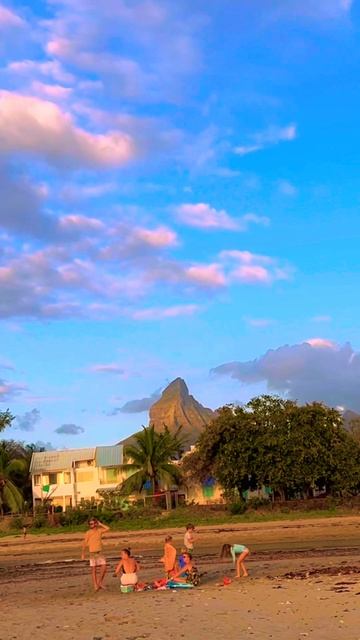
(274,442)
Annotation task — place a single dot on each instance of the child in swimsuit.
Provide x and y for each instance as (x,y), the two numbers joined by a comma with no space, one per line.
(129,568)
(169,557)
(238,552)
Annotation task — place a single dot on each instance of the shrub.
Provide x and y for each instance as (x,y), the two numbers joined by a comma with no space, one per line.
(40,521)
(17,523)
(237,508)
(257,503)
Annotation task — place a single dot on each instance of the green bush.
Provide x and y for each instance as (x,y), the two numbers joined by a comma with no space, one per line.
(40,521)
(17,523)
(257,503)
(237,508)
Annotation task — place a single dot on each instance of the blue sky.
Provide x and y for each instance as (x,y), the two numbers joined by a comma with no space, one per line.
(180,197)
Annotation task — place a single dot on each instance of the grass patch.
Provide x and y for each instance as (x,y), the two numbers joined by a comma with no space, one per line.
(181,516)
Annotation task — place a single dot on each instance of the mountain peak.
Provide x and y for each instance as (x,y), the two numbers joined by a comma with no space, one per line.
(176,387)
(177,408)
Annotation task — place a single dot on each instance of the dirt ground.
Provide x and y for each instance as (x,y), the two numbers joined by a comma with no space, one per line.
(304,583)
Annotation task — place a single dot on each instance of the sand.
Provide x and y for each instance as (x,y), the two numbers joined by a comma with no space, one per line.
(45,591)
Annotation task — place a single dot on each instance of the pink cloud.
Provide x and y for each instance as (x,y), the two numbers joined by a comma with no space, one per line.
(252,274)
(157,313)
(51,91)
(9,19)
(80,223)
(321,343)
(246,257)
(210,275)
(9,390)
(35,126)
(204,216)
(159,237)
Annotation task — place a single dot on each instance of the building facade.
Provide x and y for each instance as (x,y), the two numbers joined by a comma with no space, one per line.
(71,476)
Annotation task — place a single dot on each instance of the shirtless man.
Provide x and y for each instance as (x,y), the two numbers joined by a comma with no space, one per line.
(93,541)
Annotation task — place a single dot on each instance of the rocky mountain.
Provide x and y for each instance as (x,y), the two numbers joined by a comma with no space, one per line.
(176,408)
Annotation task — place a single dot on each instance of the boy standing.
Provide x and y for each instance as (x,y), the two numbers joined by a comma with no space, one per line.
(93,540)
(169,557)
(189,538)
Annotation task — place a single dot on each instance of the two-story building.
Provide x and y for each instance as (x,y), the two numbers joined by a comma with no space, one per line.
(72,475)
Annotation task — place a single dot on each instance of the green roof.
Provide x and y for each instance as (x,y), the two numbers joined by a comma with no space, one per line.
(109,456)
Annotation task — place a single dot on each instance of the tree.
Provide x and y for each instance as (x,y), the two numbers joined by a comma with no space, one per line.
(12,465)
(150,460)
(6,419)
(274,442)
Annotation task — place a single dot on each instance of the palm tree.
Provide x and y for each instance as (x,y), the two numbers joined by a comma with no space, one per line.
(150,460)
(11,466)
(6,419)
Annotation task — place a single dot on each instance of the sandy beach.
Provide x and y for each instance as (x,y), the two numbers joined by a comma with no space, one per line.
(304,583)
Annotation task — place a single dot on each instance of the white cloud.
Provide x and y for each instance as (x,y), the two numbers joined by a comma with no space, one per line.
(110,368)
(271,136)
(204,216)
(286,188)
(259,323)
(50,68)
(159,313)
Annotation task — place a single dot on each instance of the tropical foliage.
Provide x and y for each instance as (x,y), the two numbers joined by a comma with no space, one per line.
(15,457)
(274,442)
(151,460)
(13,472)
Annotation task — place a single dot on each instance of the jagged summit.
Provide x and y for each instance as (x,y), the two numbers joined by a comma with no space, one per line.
(176,408)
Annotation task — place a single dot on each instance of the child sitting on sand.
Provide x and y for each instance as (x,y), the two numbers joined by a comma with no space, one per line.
(238,552)
(129,568)
(169,557)
(188,573)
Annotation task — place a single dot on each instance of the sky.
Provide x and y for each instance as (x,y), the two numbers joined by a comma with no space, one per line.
(180,196)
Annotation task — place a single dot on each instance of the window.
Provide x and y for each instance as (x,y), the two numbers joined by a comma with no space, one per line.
(37,480)
(67,477)
(53,478)
(84,476)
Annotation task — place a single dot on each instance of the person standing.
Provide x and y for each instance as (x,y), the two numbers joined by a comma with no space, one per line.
(93,541)
(189,538)
(169,557)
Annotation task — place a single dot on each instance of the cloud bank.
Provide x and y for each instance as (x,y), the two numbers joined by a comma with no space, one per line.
(317,369)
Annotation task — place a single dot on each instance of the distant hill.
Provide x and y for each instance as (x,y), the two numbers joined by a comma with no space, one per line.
(176,408)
